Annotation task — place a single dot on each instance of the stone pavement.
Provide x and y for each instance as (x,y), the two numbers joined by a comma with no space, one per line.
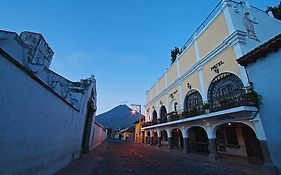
(125,158)
(88,164)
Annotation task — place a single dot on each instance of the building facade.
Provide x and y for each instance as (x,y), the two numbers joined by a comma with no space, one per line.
(263,67)
(138,133)
(46,121)
(201,103)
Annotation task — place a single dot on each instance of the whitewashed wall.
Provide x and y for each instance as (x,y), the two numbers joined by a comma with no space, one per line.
(40,131)
(265,27)
(265,74)
(100,134)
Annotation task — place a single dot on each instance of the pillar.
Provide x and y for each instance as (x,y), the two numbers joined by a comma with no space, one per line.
(145,137)
(153,139)
(265,152)
(159,141)
(159,138)
(185,139)
(142,137)
(213,154)
(170,142)
(169,138)
(185,144)
(268,164)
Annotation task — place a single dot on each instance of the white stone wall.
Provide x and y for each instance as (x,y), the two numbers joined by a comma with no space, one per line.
(40,130)
(100,134)
(265,75)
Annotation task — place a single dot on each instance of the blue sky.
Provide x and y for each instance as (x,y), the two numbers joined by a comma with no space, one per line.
(125,43)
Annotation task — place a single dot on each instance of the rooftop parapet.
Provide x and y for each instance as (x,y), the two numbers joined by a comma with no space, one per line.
(31,53)
(39,52)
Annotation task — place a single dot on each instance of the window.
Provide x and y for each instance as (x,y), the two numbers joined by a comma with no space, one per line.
(225,86)
(193,101)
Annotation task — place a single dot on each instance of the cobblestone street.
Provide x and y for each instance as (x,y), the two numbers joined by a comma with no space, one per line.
(120,157)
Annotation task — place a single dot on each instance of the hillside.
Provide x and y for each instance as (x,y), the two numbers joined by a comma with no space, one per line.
(118,117)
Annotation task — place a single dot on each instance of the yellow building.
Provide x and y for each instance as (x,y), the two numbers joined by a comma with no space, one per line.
(138,132)
(203,102)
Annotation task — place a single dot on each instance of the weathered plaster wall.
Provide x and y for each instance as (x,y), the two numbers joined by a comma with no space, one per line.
(39,132)
(100,135)
(265,74)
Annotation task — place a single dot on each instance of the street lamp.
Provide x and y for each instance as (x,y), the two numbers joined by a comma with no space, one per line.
(136,108)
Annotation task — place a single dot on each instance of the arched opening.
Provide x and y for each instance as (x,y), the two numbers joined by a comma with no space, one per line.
(154,117)
(147,139)
(239,140)
(164,138)
(177,139)
(198,140)
(154,138)
(225,91)
(163,114)
(193,104)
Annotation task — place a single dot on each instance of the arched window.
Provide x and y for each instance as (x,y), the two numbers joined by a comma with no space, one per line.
(193,103)
(154,117)
(163,114)
(225,91)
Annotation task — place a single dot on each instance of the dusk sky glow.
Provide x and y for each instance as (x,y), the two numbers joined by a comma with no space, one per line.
(125,43)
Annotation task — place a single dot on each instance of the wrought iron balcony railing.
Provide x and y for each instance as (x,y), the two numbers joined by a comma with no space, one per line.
(247,99)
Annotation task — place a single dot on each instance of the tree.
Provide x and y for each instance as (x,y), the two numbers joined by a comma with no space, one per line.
(276,11)
(174,53)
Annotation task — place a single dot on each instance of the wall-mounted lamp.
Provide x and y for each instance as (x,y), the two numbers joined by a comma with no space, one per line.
(188,86)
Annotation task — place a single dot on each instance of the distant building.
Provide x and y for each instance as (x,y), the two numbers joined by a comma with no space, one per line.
(200,104)
(138,134)
(263,66)
(128,134)
(46,121)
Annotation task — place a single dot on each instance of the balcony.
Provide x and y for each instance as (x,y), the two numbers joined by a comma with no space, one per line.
(246,100)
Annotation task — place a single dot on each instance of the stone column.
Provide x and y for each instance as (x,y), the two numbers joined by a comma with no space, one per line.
(265,152)
(159,141)
(170,142)
(185,144)
(145,137)
(141,137)
(159,138)
(268,164)
(148,140)
(213,154)
(185,139)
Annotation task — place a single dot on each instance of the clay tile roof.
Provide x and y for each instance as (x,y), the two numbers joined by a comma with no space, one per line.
(272,45)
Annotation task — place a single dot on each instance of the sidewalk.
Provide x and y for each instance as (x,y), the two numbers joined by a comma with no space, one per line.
(241,166)
(88,164)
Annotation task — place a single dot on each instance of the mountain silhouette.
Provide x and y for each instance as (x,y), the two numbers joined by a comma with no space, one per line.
(119,117)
